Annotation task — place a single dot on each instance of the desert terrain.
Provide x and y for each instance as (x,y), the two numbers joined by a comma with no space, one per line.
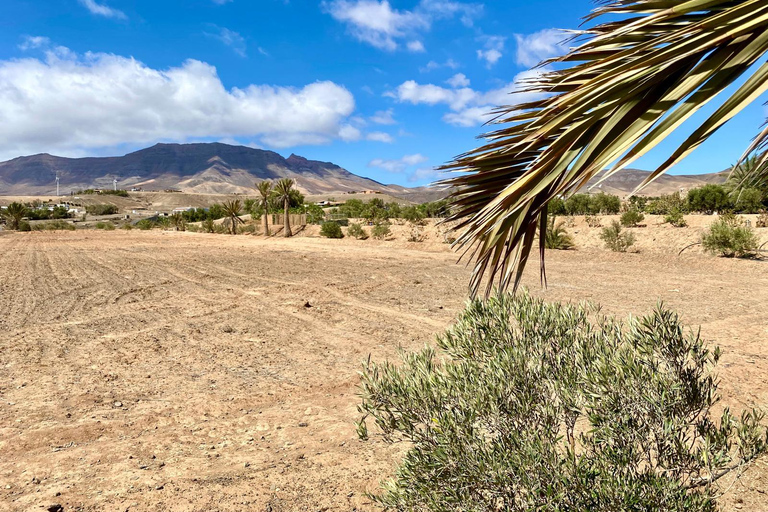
(171,371)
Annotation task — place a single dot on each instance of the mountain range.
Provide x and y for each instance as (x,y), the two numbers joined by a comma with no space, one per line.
(215,168)
(208,168)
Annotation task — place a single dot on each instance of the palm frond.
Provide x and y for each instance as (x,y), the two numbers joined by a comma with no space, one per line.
(629,83)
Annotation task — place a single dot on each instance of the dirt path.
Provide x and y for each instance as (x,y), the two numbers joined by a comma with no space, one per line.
(189,372)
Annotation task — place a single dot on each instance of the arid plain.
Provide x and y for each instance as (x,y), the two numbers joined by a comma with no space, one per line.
(156,371)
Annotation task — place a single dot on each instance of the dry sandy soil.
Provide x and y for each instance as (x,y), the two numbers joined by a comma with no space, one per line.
(189,372)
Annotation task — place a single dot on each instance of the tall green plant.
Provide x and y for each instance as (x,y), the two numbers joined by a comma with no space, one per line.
(232,210)
(13,215)
(283,190)
(265,191)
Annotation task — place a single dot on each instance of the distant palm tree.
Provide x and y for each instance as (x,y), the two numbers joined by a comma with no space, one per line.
(232,209)
(283,190)
(627,84)
(14,214)
(179,222)
(265,190)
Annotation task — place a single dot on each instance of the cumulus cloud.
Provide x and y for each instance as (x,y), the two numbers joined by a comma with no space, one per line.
(103,10)
(34,42)
(384,117)
(380,137)
(534,48)
(468,106)
(399,165)
(493,48)
(416,47)
(458,80)
(433,65)
(377,23)
(232,39)
(69,104)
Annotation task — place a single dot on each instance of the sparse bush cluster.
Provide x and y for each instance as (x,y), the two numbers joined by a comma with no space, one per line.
(616,239)
(730,237)
(331,230)
(101,209)
(526,405)
(586,204)
(356,231)
(631,218)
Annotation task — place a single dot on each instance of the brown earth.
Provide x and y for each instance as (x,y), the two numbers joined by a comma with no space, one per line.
(165,371)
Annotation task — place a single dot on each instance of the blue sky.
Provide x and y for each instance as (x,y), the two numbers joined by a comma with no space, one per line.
(385,89)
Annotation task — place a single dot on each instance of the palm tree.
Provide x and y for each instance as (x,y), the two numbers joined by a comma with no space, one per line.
(630,82)
(14,213)
(265,190)
(283,189)
(232,209)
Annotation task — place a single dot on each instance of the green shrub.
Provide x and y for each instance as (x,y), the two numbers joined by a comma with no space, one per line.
(208,226)
(708,199)
(557,237)
(127,226)
(631,218)
(356,231)
(578,204)
(676,218)
(729,237)
(665,204)
(101,209)
(748,200)
(25,226)
(412,214)
(380,231)
(145,224)
(331,230)
(556,206)
(247,228)
(529,406)
(593,221)
(108,226)
(54,225)
(616,239)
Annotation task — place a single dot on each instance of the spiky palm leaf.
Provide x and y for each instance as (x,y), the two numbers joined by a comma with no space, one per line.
(282,191)
(233,209)
(748,174)
(631,81)
(265,191)
(14,214)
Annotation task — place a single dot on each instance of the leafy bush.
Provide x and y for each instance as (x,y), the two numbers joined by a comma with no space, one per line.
(208,226)
(556,206)
(145,224)
(331,230)
(526,406)
(708,199)
(127,226)
(412,214)
(578,204)
(676,218)
(108,226)
(729,237)
(101,209)
(748,200)
(631,218)
(54,225)
(593,221)
(24,226)
(380,231)
(616,239)
(664,205)
(592,204)
(356,231)
(557,237)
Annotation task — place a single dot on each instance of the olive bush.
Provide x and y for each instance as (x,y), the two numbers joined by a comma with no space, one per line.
(531,406)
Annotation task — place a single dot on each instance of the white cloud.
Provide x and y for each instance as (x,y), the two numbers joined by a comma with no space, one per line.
(377,23)
(458,80)
(384,117)
(349,133)
(432,65)
(69,104)
(34,42)
(468,106)
(232,39)
(534,48)
(493,48)
(221,2)
(380,137)
(425,174)
(416,47)
(399,165)
(103,10)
